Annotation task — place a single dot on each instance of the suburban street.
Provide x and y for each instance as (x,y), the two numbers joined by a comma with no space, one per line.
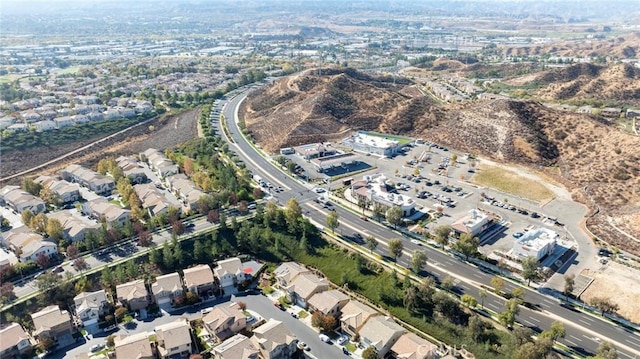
(255,302)
(584,332)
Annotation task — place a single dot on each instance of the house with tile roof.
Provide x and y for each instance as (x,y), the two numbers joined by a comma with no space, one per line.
(287,272)
(51,322)
(329,302)
(274,340)
(28,245)
(229,272)
(67,192)
(135,346)
(236,347)
(411,346)
(100,208)
(381,333)
(354,316)
(14,341)
(19,200)
(199,279)
(224,321)
(304,286)
(74,227)
(87,178)
(89,306)
(174,339)
(166,289)
(133,295)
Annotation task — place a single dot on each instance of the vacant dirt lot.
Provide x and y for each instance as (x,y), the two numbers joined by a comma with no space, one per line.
(618,283)
(170,132)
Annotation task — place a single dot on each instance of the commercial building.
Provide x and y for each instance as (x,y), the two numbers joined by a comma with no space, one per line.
(473,223)
(537,242)
(375,190)
(375,143)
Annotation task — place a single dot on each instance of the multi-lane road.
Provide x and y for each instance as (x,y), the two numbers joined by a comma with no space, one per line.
(583,331)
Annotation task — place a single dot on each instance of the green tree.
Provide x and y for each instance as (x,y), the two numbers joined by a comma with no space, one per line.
(395,248)
(497,283)
(292,214)
(333,221)
(370,353)
(530,267)
(38,223)
(467,244)
(394,216)
(482,293)
(442,235)
(54,229)
(475,328)
(447,283)
(508,316)
(555,332)
(604,305)
(363,204)
(522,335)
(47,281)
(372,243)
(569,282)
(606,350)
(469,300)
(378,211)
(26,217)
(410,297)
(28,185)
(418,261)
(518,294)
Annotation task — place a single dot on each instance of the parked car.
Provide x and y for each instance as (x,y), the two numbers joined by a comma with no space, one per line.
(343,339)
(324,338)
(97,347)
(517,235)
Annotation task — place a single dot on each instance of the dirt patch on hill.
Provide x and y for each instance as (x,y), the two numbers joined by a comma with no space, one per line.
(170,132)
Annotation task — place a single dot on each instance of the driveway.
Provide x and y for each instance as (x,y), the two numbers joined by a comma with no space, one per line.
(255,302)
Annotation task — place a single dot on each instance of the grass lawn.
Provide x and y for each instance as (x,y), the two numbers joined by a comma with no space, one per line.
(9,78)
(127,318)
(350,347)
(69,70)
(510,182)
(303,314)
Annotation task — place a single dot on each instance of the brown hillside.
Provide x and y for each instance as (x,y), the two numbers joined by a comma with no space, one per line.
(598,163)
(590,84)
(626,46)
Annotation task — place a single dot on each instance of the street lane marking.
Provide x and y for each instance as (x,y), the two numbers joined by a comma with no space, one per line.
(576,338)
(584,322)
(534,319)
(530,324)
(570,342)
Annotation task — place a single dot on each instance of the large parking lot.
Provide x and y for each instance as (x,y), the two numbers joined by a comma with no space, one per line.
(440,185)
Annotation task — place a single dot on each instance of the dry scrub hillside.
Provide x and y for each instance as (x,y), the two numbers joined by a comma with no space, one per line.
(626,46)
(597,162)
(307,107)
(588,83)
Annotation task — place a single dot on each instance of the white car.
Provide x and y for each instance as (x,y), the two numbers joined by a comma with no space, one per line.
(319,190)
(343,339)
(206,310)
(415,241)
(324,338)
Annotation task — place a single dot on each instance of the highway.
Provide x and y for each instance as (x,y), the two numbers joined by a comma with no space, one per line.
(584,332)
